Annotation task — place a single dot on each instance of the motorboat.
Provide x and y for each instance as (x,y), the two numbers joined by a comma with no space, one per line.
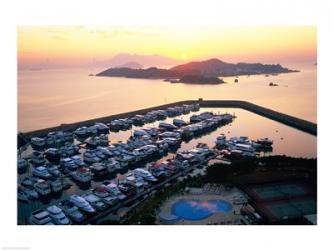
(102,128)
(68,164)
(82,132)
(72,211)
(40,217)
(220,140)
(58,215)
(53,170)
(69,150)
(114,190)
(90,157)
(82,204)
(179,122)
(22,165)
(52,155)
(95,201)
(112,165)
(167,126)
(22,195)
(56,185)
(110,200)
(101,191)
(265,142)
(78,161)
(41,172)
(37,143)
(42,187)
(99,169)
(37,158)
(145,174)
(82,175)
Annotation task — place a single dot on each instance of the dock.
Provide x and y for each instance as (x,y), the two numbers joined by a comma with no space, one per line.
(297,123)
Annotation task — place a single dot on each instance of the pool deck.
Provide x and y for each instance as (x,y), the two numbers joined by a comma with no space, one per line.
(231,218)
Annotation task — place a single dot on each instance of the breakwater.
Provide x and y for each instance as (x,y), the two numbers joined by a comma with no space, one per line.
(291,121)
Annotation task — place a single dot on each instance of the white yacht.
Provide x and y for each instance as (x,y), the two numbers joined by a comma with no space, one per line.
(82,132)
(37,143)
(95,201)
(58,216)
(90,157)
(56,185)
(220,140)
(82,175)
(179,122)
(37,158)
(145,174)
(40,217)
(82,204)
(72,211)
(41,172)
(167,126)
(42,187)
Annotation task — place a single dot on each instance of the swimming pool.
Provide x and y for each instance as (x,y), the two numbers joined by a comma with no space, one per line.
(199,209)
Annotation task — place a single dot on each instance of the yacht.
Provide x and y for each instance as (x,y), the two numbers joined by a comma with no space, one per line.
(53,170)
(69,150)
(82,175)
(112,166)
(82,204)
(58,216)
(56,185)
(179,122)
(145,174)
(68,164)
(99,170)
(41,172)
(22,165)
(101,191)
(105,151)
(42,187)
(52,155)
(102,128)
(90,157)
(82,132)
(37,158)
(167,126)
(31,193)
(22,195)
(40,217)
(95,201)
(110,200)
(37,143)
(172,142)
(265,142)
(78,161)
(114,190)
(72,211)
(220,140)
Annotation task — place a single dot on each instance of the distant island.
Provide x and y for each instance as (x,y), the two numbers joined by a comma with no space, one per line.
(203,72)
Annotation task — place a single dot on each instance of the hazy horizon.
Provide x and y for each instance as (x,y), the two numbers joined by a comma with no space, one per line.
(78,46)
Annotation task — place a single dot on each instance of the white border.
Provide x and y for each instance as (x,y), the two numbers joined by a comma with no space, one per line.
(208,12)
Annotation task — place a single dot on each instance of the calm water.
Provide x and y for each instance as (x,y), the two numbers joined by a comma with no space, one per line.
(198,210)
(51,97)
(287,140)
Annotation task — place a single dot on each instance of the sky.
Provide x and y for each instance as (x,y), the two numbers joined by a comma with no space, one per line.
(64,46)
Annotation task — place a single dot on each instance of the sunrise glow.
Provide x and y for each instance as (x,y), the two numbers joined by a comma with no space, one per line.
(79,45)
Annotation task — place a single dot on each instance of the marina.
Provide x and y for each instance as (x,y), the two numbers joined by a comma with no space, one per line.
(112,169)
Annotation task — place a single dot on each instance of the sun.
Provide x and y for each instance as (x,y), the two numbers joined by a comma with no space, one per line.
(183,56)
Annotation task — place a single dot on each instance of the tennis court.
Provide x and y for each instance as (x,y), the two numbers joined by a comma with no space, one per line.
(277,191)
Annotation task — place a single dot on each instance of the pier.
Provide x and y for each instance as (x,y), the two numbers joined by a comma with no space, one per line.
(297,123)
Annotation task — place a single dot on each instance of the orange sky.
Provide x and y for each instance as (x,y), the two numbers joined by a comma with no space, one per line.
(80,45)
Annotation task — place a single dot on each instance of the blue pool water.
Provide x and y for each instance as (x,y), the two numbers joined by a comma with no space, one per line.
(198,209)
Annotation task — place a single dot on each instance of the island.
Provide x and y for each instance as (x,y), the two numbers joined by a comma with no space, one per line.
(203,72)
